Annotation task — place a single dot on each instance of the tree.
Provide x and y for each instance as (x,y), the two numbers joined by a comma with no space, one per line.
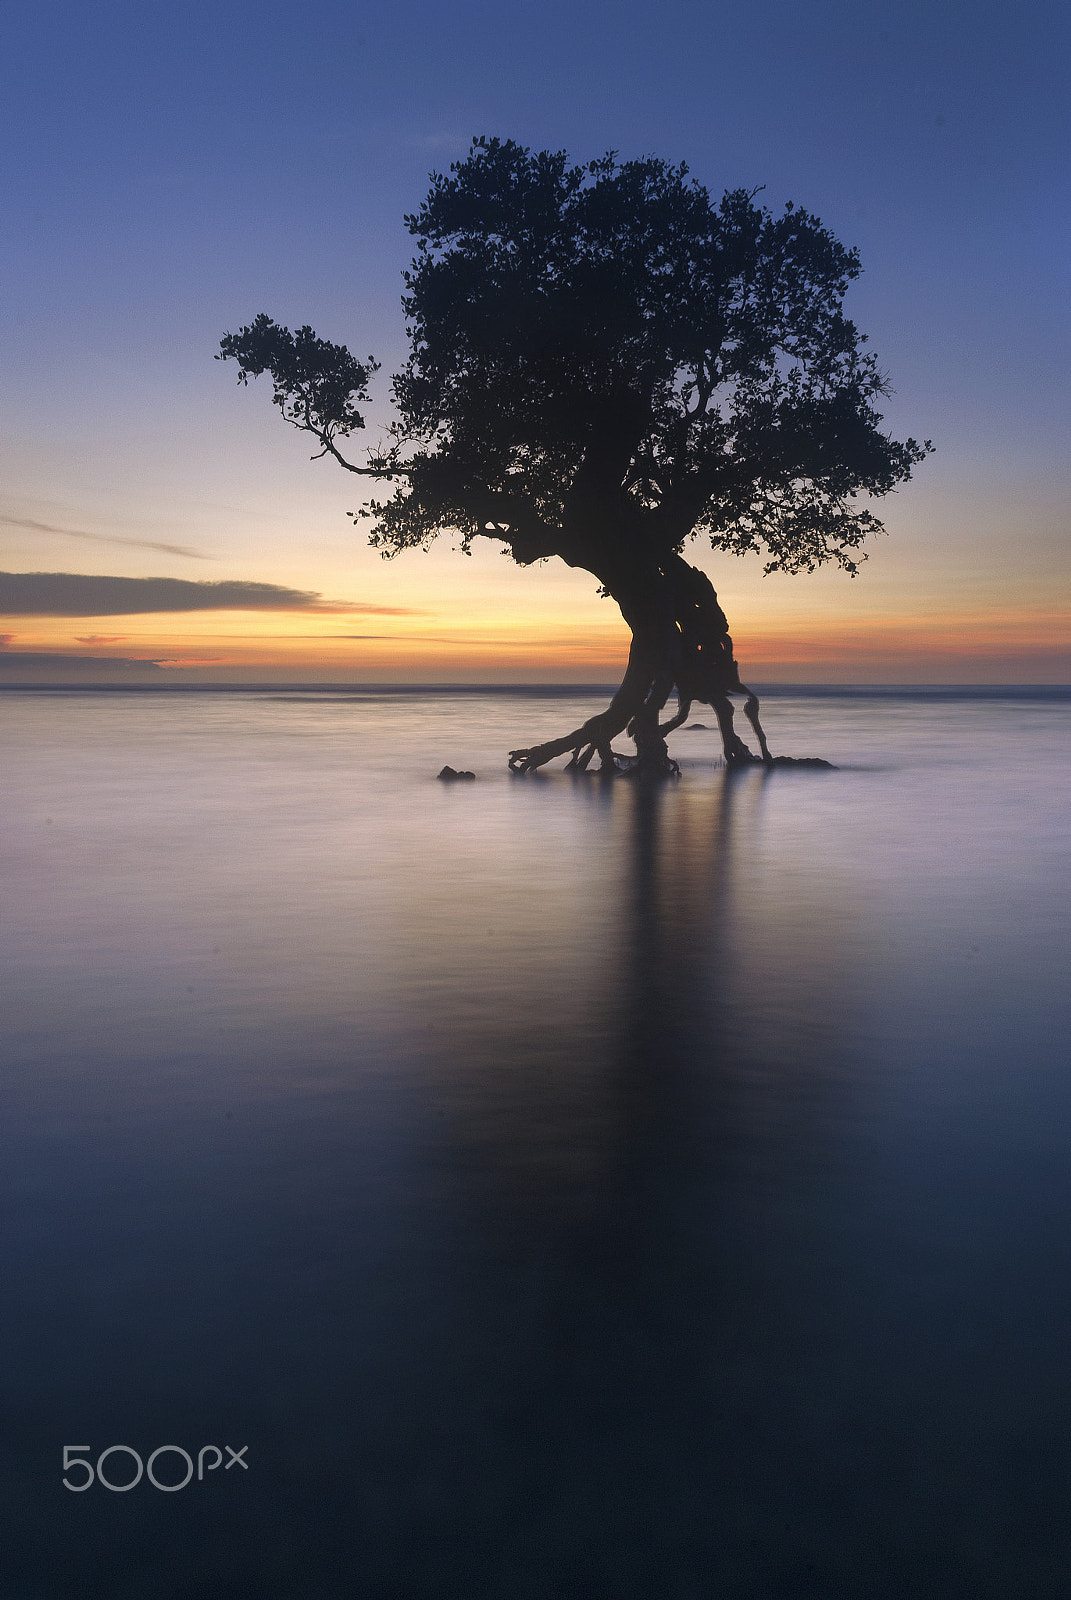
(605,363)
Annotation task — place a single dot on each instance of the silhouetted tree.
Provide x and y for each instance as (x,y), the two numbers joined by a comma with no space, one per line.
(604,363)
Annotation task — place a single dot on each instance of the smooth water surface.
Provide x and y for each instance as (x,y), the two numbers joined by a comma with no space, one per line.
(563,1186)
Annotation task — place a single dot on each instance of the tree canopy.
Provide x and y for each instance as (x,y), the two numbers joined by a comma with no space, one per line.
(605,362)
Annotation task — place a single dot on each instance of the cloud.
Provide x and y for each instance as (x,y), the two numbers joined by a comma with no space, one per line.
(100,638)
(73,594)
(46,661)
(105,538)
(194,661)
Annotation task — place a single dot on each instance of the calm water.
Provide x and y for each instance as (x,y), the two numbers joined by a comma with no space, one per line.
(563,1188)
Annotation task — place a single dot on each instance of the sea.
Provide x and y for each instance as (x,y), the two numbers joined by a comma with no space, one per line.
(530,1188)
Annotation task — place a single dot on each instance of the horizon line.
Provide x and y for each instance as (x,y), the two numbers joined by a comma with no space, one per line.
(441,686)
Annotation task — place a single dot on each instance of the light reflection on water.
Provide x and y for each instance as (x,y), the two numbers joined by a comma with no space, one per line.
(564,1186)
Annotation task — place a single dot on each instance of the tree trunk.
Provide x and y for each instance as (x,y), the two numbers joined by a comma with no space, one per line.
(680,642)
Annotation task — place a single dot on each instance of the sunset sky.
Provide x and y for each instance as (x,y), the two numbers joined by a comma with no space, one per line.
(168,172)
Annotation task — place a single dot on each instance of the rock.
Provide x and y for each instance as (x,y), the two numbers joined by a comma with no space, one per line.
(448,775)
(692,725)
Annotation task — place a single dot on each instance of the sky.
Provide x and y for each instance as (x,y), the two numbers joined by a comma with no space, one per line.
(167,172)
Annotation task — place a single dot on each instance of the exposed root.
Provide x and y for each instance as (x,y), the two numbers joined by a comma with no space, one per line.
(595,737)
(530,760)
(651,761)
(681,644)
(650,767)
(609,759)
(751,712)
(684,705)
(652,755)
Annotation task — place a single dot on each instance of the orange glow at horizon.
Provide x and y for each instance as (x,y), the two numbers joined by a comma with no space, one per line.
(988,632)
(532,646)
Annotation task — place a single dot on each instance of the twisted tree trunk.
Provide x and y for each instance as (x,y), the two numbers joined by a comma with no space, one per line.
(680,642)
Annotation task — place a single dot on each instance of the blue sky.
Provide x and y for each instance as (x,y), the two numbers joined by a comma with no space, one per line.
(167,172)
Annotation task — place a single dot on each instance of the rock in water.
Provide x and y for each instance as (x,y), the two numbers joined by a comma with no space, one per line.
(448,775)
(803,761)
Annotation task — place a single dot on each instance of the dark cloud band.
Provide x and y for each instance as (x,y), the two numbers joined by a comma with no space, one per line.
(73,594)
(13,662)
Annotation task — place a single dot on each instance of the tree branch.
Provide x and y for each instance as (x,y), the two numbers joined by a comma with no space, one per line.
(380,471)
